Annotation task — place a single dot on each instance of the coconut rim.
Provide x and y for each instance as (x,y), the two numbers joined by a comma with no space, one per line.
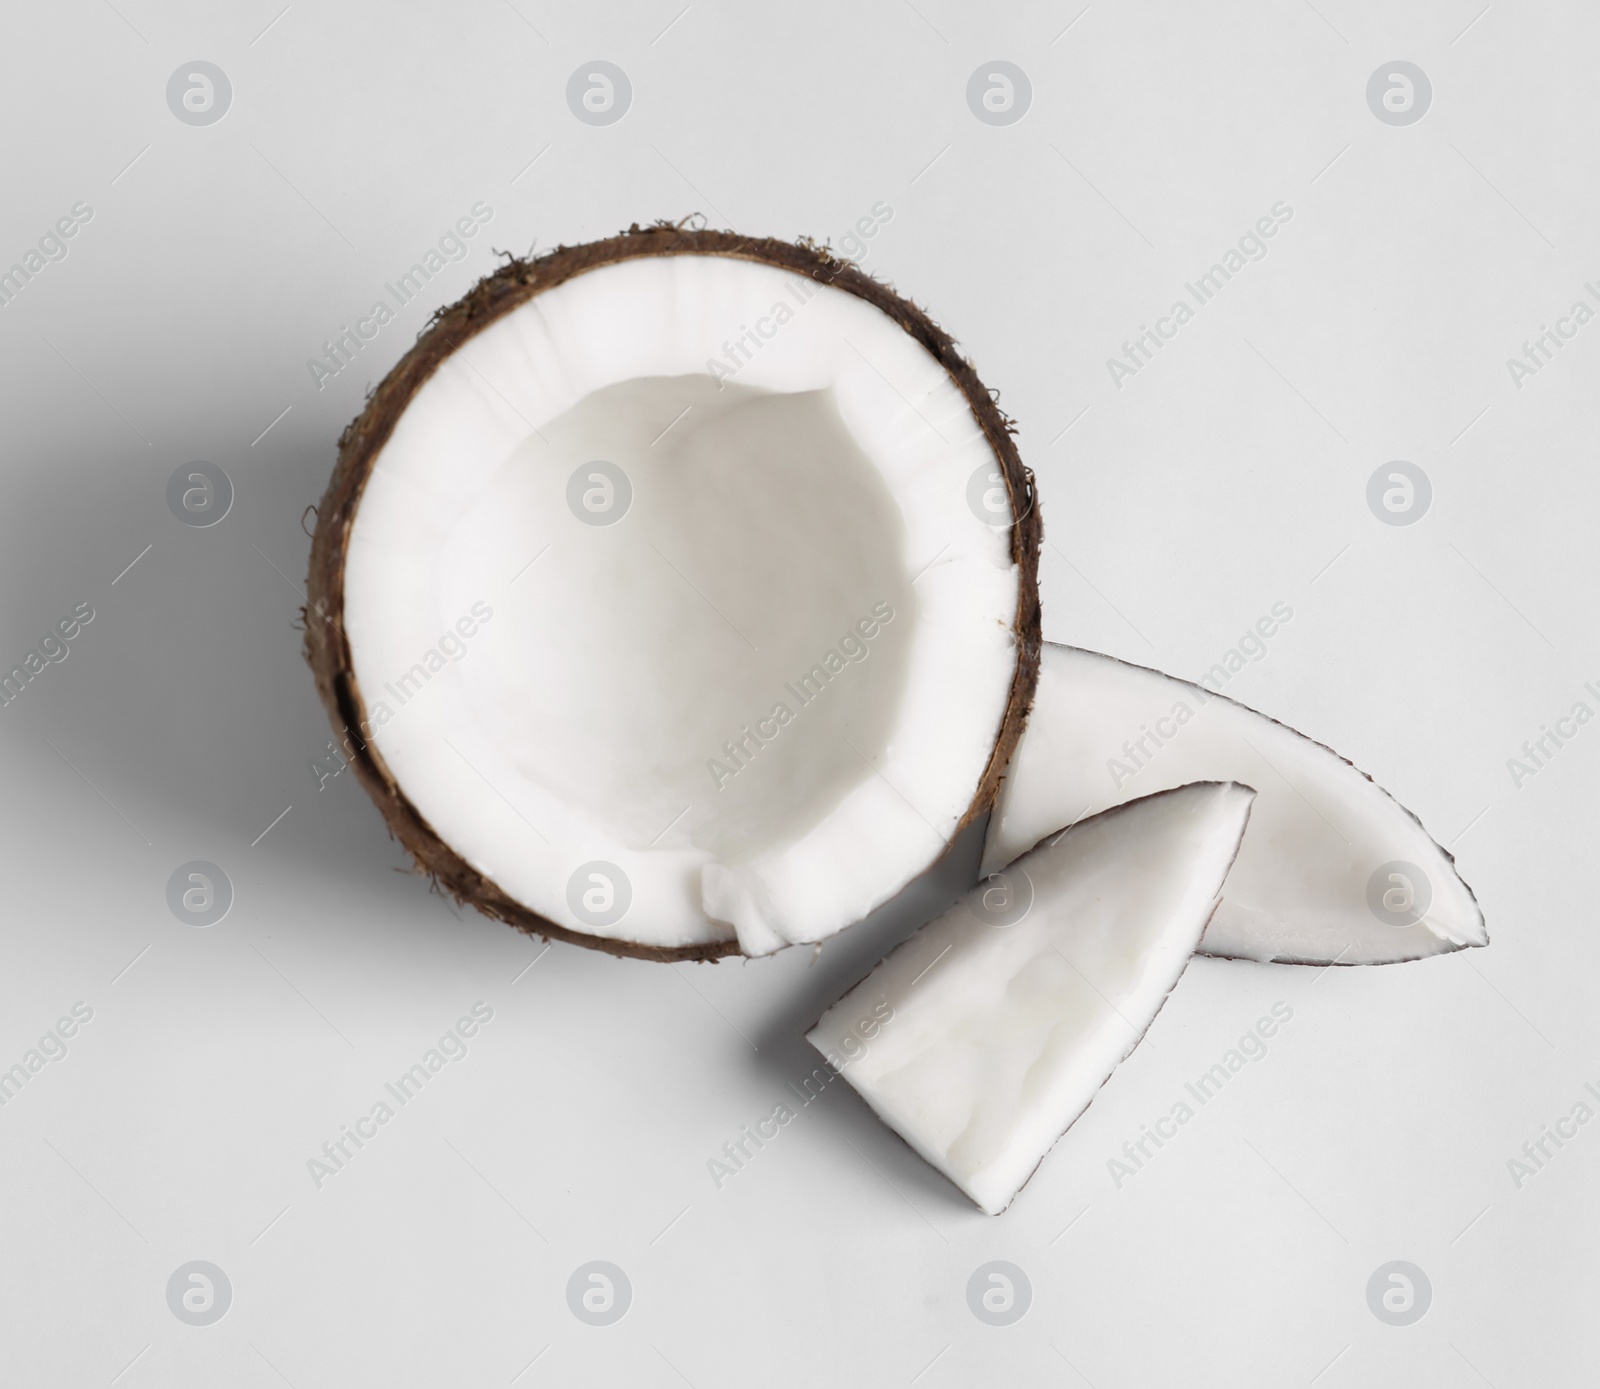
(327,647)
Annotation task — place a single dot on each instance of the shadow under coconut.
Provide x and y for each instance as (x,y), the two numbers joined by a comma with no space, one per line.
(181,718)
(183,700)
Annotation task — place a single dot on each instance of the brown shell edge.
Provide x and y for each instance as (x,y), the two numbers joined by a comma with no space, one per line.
(327,650)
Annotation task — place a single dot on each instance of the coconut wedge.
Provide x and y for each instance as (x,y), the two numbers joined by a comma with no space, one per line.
(676,595)
(985,1035)
(1334,870)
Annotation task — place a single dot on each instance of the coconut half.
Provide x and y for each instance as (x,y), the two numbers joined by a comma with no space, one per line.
(652,600)
(985,1035)
(1334,870)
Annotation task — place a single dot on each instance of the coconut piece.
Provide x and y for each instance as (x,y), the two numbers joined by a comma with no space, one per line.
(1334,869)
(984,1036)
(652,604)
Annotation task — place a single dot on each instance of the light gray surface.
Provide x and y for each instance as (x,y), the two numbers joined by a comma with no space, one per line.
(1230,473)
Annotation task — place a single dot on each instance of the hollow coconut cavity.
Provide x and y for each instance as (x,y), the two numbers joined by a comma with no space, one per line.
(676,595)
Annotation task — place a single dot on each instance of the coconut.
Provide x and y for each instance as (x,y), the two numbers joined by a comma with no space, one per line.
(983,1037)
(1334,870)
(676,595)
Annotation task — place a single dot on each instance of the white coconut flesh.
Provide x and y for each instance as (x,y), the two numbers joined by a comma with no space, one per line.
(1333,868)
(673,652)
(985,1035)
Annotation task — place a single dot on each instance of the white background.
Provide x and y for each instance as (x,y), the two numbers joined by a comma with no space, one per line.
(1230,474)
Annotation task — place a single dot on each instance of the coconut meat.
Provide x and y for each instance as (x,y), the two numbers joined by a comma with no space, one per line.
(993,1027)
(1333,869)
(674,650)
